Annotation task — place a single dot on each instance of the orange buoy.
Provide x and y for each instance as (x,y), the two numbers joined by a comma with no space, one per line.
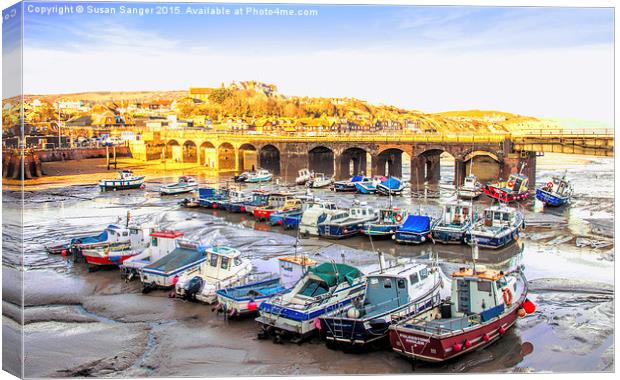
(529,306)
(521,312)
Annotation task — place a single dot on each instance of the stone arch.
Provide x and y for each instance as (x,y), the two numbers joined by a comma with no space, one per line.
(352,161)
(190,151)
(248,158)
(226,156)
(173,151)
(485,165)
(269,158)
(426,167)
(321,160)
(208,155)
(389,162)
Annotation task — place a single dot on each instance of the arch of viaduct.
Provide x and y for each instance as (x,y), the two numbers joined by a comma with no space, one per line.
(343,159)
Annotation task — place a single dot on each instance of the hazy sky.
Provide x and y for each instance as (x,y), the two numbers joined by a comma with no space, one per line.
(548,62)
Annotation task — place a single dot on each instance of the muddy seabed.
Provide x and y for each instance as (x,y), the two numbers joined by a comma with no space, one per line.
(81,323)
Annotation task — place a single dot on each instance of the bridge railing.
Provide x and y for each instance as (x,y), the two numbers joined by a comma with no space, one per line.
(585,132)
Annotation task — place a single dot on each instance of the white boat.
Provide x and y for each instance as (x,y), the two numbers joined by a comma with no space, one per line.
(161,243)
(356,217)
(320,180)
(325,288)
(184,184)
(499,226)
(317,212)
(245,299)
(303,176)
(222,268)
(126,180)
(261,175)
(456,220)
(116,254)
(471,188)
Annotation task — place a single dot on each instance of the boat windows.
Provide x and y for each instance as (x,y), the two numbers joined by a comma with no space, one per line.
(374,282)
(414,279)
(497,216)
(387,283)
(506,217)
(402,283)
(154,241)
(423,273)
(213,260)
(484,286)
(314,288)
(133,231)
(225,261)
(125,233)
(237,261)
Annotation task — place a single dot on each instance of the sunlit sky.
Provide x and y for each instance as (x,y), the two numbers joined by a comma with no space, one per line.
(547,62)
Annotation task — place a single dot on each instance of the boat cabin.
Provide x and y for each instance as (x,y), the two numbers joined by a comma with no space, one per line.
(470,182)
(163,242)
(304,173)
(480,292)
(221,262)
(559,186)
(292,203)
(125,174)
(362,210)
(499,216)
(456,213)
(392,215)
(517,182)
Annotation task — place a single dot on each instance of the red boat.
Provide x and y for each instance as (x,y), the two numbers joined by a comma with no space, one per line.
(484,305)
(277,203)
(515,189)
(117,253)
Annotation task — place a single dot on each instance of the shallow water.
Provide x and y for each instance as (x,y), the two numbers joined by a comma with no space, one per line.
(572,329)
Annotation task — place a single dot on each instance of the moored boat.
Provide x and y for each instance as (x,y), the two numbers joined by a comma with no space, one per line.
(162,242)
(471,188)
(318,211)
(389,220)
(484,305)
(103,255)
(223,267)
(514,189)
(557,192)
(369,186)
(261,175)
(356,216)
(319,181)
(184,184)
(349,185)
(415,230)
(455,221)
(324,288)
(126,180)
(303,176)
(260,198)
(391,186)
(242,177)
(278,202)
(499,226)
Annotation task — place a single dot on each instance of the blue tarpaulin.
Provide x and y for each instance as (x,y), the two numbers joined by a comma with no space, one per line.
(91,239)
(391,183)
(357,178)
(416,223)
(206,192)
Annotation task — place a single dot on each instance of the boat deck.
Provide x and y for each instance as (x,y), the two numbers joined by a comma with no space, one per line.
(177,259)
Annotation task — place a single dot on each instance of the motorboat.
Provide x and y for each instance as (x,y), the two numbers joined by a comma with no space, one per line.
(483,305)
(245,299)
(349,185)
(557,192)
(320,180)
(126,180)
(471,188)
(242,177)
(116,254)
(399,292)
(260,198)
(415,230)
(514,189)
(278,202)
(356,217)
(162,242)
(317,212)
(390,219)
(370,186)
(236,200)
(261,175)
(325,288)
(184,184)
(391,186)
(303,176)
(499,226)
(456,219)
(211,197)
(224,267)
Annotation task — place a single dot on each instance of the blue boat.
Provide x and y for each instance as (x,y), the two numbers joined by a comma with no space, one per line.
(246,299)
(556,192)
(391,186)
(210,197)
(390,219)
(292,221)
(499,227)
(349,185)
(370,186)
(416,229)
(260,198)
(395,293)
(455,221)
(351,225)
(277,218)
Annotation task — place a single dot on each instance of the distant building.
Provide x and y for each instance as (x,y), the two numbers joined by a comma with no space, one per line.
(200,93)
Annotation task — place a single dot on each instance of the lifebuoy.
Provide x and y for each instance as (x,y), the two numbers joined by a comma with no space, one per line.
(511,184)
(507,296)
(550,185)
(399,218)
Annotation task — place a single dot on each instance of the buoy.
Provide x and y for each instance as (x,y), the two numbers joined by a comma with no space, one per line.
(457,347)
(467,343)
(353,313)
(486,337)
(252,306)
(529,306)
(174,280)
(242,208)
(521,312)
(141,187)
(279,222)
(214,205)
(63,253)
(317,324)
(502,330)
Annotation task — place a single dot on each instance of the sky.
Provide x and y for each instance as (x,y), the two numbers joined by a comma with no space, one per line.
(545,62)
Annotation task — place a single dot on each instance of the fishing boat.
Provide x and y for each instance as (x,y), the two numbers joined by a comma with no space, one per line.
(471,188)
(514,189)
(358,215)
(292,221)
(278,202)
(116,254)
(416,229)
(224,267)
(184,184)
(162,243)
(391,186)
(237,200)
(392,294)
(245,299)
(319,181)
(277,218)
(349,185)
(211,197)
(499,226)
(390,219)
(126,180)
(323,289)
(165,272)
(370,186)
(484,304)
(190,203)
(316,212)
(261,175)
(242,177)
(260,198)
(557,192)
(455,221)
(303,176)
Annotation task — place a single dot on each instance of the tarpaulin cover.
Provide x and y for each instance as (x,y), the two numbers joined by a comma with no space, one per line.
(91,239)
(391,183)
(357,178)
(334,274)
(416,223)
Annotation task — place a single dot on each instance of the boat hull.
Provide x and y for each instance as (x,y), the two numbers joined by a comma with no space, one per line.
(449,235)
(111,185)
(412,237)
(106,260)
(177,190)
(378,231)
(339,231)
(504,196)
(345,187)
(550,199)
(493,242)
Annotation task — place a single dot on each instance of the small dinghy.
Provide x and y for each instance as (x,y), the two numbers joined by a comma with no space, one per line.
(557,192)
(323,289)
(245,299)
(483,306)
(416,229)
(126,180)
(185,184)
(392,294)
(223,267)
(303,176)
(456,220)
(260,175)
(391,186)
(499,226)
(349,185)
(319,181)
